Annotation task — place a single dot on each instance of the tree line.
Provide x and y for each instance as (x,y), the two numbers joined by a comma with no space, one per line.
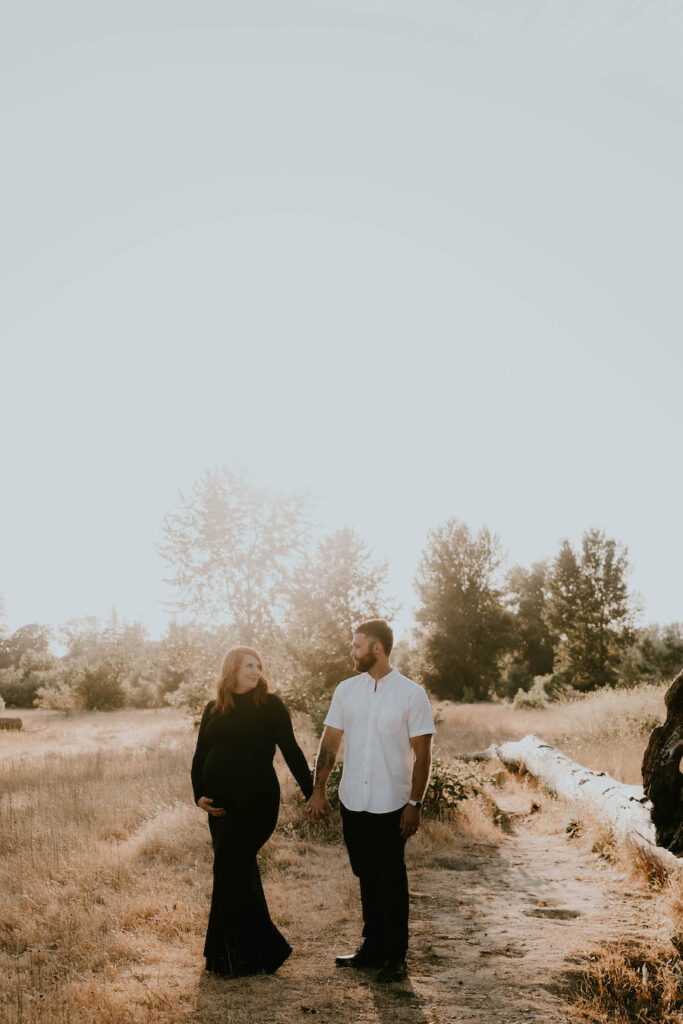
(567,622)
(243,568)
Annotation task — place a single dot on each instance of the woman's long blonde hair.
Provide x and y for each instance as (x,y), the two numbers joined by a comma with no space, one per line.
(228,678)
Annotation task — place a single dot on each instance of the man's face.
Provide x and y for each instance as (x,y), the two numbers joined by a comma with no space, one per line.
(362,652)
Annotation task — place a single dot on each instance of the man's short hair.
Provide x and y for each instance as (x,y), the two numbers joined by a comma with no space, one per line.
(378,629)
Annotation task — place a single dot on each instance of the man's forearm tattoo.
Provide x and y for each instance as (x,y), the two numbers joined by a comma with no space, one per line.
(324,763)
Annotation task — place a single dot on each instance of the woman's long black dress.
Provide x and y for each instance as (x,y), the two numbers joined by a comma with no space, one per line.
(233,764)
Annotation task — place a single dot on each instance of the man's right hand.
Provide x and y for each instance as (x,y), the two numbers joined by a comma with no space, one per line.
(318,806)
(205,803)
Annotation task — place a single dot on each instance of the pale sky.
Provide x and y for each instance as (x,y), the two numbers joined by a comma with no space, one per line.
(419,259)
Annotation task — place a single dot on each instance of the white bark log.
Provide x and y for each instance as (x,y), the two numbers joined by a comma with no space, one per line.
(624,808)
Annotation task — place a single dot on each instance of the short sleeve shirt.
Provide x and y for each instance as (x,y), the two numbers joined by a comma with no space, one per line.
(378,724)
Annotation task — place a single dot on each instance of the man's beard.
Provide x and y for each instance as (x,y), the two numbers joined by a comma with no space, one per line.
(366,663)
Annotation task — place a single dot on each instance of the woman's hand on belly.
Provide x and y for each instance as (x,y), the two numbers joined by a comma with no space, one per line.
(205,803)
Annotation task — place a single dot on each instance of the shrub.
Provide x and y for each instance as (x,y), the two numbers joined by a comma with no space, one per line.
(141,691)
(516,678)
(536,697)
(449,784)
(11,689)
(192,696)
(58,696)
(99,687)
(20,683)
(544,690)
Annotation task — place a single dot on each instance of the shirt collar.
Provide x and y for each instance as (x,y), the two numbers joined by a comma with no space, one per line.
(384,679)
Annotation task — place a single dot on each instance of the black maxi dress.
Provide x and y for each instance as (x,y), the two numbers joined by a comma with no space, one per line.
(233,764)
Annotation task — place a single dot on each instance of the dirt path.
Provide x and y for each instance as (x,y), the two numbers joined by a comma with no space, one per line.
(496,933)
(501,929)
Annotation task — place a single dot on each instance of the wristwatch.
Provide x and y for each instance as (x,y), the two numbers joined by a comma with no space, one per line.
(416,803)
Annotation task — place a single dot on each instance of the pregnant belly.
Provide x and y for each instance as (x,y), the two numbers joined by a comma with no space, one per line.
(233,784)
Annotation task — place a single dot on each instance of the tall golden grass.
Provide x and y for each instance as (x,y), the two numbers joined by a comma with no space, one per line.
(105,877)
(77,879)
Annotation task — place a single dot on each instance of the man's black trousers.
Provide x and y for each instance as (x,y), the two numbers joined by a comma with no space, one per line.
(376,853)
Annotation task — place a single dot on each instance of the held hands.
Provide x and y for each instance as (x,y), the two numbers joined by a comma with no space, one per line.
(318,806)
(410,821)
(205,803)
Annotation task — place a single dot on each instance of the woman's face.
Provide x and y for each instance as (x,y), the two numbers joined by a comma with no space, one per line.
(248,673)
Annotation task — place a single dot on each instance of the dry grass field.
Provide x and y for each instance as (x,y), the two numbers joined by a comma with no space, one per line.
(606,730)
(106,873)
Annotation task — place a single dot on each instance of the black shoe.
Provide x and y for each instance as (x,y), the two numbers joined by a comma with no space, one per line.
(393,970)
(363,957)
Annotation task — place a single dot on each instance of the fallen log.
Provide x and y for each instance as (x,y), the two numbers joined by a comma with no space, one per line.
(626,809)
(10,723)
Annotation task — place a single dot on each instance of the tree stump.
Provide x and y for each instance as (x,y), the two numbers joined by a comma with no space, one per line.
(10,723)
(662,777)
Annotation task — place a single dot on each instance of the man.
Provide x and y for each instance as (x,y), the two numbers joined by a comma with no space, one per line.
(387,725)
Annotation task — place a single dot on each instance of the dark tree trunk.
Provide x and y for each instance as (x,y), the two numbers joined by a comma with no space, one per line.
(662,777)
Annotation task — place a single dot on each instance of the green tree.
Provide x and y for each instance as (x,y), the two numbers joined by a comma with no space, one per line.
(590,610)
(19,684)
(463,628)
(188,651)
(231,546)
(532,640)
(657,653)
(99,687)
(26,664)
(190,660)
(105,666)
(332,590)
(33,638)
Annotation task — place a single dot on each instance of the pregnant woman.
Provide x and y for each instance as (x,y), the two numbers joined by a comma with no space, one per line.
(235,782)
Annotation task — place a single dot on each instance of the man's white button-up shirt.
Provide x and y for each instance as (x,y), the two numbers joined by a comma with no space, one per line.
(378,723)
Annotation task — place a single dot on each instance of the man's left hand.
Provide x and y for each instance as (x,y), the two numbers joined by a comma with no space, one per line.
(410,821)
